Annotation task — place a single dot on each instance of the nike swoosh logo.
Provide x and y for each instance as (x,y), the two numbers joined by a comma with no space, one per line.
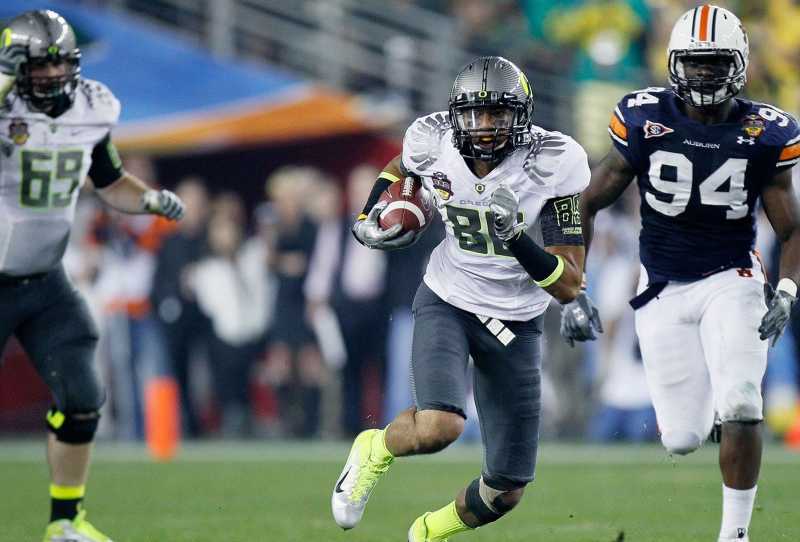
(338,488)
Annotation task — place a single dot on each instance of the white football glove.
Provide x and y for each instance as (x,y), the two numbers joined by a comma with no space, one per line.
(10,59)
(369,233)
(164,203)
(504,205)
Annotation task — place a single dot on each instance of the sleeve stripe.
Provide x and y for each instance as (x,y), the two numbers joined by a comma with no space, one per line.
(617,139)
(788,162)
(618,128)
(388,176)
(793,141)
(789,152)
(619,113)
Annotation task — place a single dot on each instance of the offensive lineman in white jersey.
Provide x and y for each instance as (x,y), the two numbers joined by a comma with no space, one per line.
(492,173)
(55,129)
(704,158)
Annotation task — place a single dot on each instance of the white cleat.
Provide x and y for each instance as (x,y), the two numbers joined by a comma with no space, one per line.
(356,482)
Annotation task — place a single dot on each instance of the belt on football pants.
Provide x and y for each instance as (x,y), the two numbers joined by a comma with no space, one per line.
(647,295)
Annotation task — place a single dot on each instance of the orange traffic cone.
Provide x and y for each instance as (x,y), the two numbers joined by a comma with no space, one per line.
(793,435)
(162,418)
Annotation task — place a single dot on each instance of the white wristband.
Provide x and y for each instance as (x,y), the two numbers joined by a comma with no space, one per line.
(787,285)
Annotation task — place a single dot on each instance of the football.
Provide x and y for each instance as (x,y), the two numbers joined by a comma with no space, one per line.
(408,204)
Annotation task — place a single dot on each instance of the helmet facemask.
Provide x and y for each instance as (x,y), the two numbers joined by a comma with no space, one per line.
(707,77)
(43,92)
(488,125)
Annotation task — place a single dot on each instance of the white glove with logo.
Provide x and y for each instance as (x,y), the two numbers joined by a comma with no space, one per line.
(164,203)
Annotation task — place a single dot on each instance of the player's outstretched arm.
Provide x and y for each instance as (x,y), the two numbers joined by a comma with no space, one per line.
(366,229)
(780,204)
(125,192)
(580,320)
(609,180)
(131,195)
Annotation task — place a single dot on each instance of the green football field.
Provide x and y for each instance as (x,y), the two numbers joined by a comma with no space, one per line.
(280,492)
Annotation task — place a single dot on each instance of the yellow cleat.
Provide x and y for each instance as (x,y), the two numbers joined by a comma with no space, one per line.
(77,530)
(419,531)
(357,480)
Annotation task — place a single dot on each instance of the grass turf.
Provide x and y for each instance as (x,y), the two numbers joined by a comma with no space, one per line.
(280,492)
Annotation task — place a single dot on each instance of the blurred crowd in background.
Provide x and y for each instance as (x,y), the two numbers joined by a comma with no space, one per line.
(275,322)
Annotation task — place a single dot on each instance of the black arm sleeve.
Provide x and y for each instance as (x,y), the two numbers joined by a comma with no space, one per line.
(533,258)
(561,221)
(380,185)
(106,166)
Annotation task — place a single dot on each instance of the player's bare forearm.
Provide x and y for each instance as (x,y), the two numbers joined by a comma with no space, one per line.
(609,180)
(125,194)
(780,204)
(568,285)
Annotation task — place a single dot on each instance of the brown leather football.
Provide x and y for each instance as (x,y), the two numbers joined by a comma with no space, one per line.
(408,204)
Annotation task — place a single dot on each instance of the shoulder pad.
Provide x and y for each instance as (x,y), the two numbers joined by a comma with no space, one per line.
(779,127)
(422,144)
(634,106)
(551,154)
(100,102)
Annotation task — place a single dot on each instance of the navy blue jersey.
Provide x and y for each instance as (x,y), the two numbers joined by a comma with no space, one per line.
(699,184)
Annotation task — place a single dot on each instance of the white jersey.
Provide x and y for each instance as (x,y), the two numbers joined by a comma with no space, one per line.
(43,163)
(471,268)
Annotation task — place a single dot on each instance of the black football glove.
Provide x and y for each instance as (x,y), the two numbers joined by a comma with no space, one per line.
(779,311)
(164,203)
(579,320)
(369,233)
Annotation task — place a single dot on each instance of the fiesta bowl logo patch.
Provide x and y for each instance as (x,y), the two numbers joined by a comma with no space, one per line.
(655,129)
(753,125)
(442,185)
(18,131)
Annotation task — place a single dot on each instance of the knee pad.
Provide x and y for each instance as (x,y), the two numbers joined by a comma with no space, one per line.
(681,442)
(743,403)
(485,502)
(73,428)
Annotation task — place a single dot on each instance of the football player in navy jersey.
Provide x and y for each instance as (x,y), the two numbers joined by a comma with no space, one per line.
(702,159)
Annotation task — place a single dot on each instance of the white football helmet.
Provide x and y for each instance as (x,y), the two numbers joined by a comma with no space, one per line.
(704,32)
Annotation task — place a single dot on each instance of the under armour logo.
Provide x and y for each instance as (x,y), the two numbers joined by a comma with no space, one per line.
(741,533)
(741,140)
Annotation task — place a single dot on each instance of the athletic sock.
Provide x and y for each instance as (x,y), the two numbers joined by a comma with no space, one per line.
(379,453)
(444,522)
(737,508)
(65,501)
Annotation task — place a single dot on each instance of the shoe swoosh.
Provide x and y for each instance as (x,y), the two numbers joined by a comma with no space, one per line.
(338,488)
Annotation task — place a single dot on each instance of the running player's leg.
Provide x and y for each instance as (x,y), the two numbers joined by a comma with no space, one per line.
(507,395)
(439,363)
(60,338)
(737,361)
(676,370)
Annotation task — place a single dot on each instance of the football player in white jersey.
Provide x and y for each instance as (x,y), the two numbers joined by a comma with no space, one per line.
(491,173)
(704,158)
(55,129)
